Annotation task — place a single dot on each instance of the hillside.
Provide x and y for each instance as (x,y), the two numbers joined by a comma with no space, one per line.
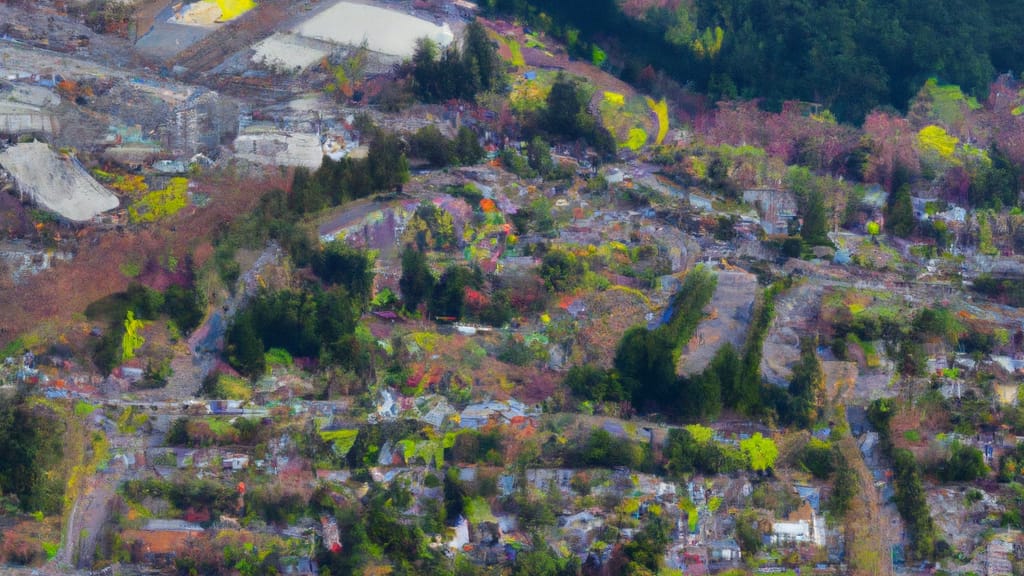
(847,56)
(652,287)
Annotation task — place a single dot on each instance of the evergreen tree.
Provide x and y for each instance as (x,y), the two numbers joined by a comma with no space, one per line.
(815,227)
(538,153)
(417,282)
(646,366)
(807,384)
(339,263)
(995,184)
(468,150)
(388,165)
(448,296)
(565,104)
(705,395)
(307,194)
(245,349)
(428,143)
(425,70)
(899,217)
(440,75)
(480,49)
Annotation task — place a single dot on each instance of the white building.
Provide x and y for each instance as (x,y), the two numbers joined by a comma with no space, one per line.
(791,532)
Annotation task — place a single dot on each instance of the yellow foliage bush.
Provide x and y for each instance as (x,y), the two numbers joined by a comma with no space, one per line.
(130,184)
(636,139)
(660,110)
(935,139)
(529,95)
(615,98)
(698,167)
(160,204)
(132,340)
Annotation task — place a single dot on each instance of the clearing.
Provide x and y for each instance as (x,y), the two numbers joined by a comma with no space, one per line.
(795,312)
(731,308)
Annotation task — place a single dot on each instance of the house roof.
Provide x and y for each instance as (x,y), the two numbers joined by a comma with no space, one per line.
(156,541)
(800,527)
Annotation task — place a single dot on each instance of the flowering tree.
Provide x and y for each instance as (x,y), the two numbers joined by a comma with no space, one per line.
(893,144)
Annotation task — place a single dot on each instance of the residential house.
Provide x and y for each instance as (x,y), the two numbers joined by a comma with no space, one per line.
(726,550)
(467,474)
(811,495)
(235,462)
(170,167)
(544,479)
(438,413)
(801,526)
(787,532)
(478,415)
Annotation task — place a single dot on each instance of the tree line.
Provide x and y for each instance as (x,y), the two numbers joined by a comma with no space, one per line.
(456,72)
(317,323)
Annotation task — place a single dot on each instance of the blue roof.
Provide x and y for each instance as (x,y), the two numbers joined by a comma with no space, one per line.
(811,494)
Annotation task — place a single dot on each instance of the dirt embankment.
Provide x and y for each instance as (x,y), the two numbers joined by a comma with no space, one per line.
(52,300)
(146,13)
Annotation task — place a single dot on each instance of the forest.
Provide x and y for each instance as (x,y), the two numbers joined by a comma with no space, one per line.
(850,56)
